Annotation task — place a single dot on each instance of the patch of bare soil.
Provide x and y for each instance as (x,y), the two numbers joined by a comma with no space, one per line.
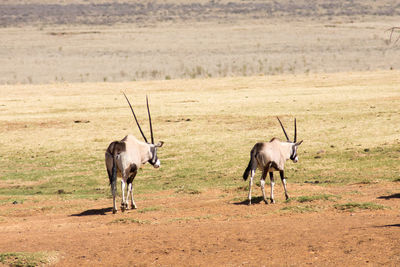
(212,228)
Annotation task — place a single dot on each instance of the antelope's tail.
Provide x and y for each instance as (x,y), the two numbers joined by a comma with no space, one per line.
(112,175)
(247,171)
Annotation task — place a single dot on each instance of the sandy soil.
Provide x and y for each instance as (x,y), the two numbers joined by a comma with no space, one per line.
(212,228)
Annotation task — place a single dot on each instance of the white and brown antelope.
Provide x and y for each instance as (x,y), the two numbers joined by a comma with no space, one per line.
(270,157)
(126,157)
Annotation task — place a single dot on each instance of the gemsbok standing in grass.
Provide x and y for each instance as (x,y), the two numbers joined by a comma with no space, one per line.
(270,157)
(126,157)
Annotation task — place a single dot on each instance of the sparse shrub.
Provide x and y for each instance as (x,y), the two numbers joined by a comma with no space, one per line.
(303,199)
(352,206)
(149,209)
(299,209)
(154,74)
(199,70)
(130,220)
(27,258)
(244,70)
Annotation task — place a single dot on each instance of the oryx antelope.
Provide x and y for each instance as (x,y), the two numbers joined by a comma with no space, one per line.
(126,157)
(270,157)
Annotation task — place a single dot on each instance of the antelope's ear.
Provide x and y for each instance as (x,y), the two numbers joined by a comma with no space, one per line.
(160,144)
(299,143)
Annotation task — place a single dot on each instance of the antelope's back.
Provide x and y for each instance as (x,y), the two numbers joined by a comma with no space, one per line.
(135,149)
(270,152)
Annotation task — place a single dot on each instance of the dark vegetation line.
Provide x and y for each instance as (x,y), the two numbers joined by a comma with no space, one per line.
(110,13)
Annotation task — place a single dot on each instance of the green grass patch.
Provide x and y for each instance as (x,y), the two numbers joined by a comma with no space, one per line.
(352,206)
(303,199)
(149,209)
(349,165)
(28,259)
(299,209)
(69,176)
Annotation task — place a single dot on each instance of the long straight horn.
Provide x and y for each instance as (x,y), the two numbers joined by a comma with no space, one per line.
(151,127)
(140,129)
(295,131)
(283,128)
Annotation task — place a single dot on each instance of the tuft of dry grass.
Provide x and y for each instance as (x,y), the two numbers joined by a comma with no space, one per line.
(352,206)
(29,258)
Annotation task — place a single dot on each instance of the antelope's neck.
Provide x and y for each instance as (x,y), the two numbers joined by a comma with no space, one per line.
(286,150)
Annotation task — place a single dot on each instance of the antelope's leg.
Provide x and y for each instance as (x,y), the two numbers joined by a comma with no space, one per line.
(251,184)
(271,177)
(113,180)
(130,194)
(130,190)
(123,201)
(284,183)
(133,204)
(262,182)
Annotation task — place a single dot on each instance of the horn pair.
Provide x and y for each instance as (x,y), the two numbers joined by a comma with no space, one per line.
(295,130)
(148,112)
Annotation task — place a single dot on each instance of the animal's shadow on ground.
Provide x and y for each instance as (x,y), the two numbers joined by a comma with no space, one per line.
(388,225)
(93,212)
(397,195)
(254,200)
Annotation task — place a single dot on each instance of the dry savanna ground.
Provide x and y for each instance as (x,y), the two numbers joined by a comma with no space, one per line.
(46,41)
(217,74)
(55,205)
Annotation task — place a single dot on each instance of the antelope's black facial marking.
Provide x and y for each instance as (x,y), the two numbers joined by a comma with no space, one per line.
(153,159)
(293,154)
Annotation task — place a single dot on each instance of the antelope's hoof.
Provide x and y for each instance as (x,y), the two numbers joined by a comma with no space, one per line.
(249,204)
(114,211)
(272,201)
(287,197)
(265,201)
(133,207)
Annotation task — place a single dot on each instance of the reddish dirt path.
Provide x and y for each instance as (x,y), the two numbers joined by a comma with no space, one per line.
(211,229)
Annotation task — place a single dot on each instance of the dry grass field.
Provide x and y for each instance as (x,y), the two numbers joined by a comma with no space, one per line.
(217,74)
(92,41)
(344,209)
